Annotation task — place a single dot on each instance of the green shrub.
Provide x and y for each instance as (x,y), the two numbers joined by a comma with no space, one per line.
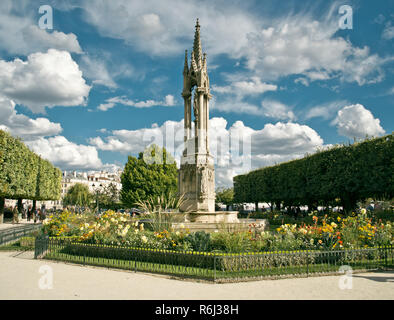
(231,242)
(199,241)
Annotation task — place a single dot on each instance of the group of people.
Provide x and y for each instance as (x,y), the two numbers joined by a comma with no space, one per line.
(35,214)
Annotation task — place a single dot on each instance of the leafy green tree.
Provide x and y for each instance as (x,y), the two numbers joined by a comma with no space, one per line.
(349,173)
(225,196)
(78,195)
(153,173)
(24,175)
(108,197)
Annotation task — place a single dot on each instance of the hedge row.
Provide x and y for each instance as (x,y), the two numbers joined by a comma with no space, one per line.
(349,173)
(24,175)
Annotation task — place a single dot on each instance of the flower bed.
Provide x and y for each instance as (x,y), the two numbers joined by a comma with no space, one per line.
(208,265)
(325,233)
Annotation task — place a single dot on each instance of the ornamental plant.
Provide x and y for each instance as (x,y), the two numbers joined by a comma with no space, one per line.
(325,233)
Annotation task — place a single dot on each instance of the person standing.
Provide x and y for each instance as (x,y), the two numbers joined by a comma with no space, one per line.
(29,212)
(35,214)
(15,214)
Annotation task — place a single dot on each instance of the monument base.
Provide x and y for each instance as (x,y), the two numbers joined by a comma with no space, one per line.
(213,217)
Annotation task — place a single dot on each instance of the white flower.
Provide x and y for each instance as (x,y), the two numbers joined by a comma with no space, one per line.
(363,211)
(333,224)
(177,233)
(144,239)
(303,231)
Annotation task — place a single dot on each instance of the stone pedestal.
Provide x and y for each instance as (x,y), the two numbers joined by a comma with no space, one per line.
(196,181)
(213,217)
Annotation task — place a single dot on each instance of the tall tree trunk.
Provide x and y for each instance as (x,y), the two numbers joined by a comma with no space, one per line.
(256,204)
(20,205)
(34,205)
(2,203)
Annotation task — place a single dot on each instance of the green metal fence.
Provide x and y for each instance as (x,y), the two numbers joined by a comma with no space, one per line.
(215,266)
(15,233)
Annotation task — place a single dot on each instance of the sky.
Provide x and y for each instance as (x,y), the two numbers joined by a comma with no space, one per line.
(105,79)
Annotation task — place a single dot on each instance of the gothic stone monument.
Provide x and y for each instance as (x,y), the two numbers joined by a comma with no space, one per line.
(197,174)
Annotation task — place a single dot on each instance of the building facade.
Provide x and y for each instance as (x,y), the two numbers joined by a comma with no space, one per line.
(95,180)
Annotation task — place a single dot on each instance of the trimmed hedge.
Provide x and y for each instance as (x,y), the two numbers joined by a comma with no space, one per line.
(349,173)
(24,175)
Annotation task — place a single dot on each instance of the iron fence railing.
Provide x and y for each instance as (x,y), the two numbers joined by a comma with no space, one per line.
(15,233)
(215,266)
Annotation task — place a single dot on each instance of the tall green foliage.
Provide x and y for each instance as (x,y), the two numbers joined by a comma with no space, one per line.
(349,173)
(24,175)
(153,173)
(225,196)
(78,195)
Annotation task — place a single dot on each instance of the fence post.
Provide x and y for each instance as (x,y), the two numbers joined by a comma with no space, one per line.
(214,268)
(135,262)
(307,263)
(41,247)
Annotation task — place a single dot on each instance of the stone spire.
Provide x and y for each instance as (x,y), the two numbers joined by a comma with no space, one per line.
(193,64)
(186,67)
(204,62)
(197,46)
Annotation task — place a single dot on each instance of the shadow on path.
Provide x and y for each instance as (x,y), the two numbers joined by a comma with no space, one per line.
(376,278)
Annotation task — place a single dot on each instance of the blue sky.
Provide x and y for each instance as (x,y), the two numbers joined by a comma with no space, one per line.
(107,79)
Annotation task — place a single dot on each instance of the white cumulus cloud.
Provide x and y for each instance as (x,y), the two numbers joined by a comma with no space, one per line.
(23,126)
(44,80)
(66,154)
(19,33)
(355,121)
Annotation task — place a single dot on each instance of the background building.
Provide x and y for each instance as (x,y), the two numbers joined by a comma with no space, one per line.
(95,180)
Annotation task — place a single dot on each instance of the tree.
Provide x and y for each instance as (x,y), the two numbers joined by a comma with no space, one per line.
(347,172)
(225,196)
(24,175)
(78,195)
(108,196)
(153,173)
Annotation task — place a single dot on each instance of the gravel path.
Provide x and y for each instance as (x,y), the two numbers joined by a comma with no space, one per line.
(10,225)
(20,276)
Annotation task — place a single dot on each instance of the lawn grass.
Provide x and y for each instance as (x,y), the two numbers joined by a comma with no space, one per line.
(15,246)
